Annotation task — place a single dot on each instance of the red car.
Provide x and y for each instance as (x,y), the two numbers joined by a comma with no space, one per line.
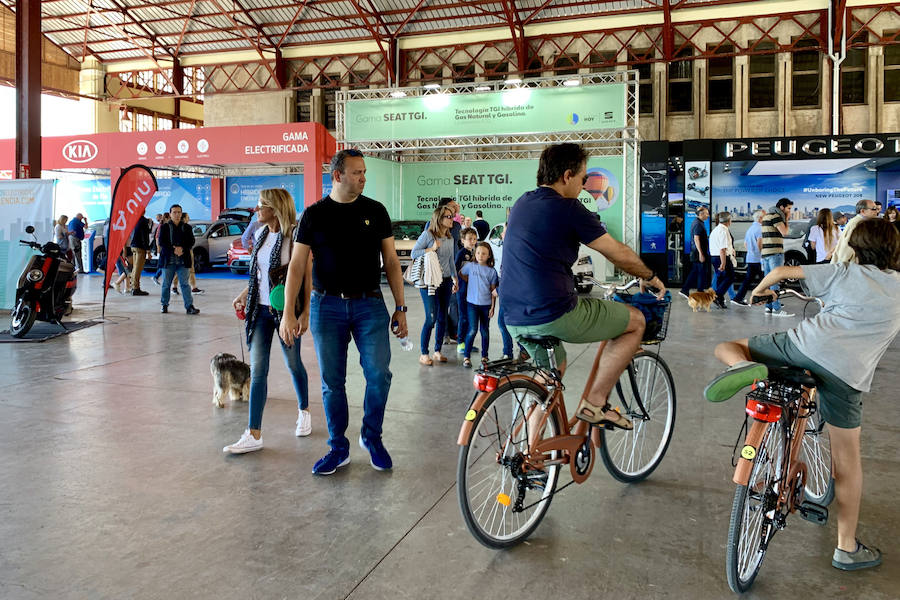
(238,257)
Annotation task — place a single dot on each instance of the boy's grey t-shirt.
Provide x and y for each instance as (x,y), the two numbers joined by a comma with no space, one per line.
(860,319)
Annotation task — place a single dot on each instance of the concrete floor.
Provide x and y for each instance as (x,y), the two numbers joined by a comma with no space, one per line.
(114,484)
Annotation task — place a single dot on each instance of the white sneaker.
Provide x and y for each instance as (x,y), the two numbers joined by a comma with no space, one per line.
(247,443)
(779,313)
(304,424)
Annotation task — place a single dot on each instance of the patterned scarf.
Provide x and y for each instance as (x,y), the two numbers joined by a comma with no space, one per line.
(253,283)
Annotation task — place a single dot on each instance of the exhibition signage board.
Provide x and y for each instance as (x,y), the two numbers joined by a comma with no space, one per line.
(494,186)
(809,147)
(23,202)
(520,110)
(281,143)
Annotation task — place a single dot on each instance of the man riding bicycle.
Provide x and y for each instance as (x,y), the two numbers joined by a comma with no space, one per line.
(840,347)
(537,287)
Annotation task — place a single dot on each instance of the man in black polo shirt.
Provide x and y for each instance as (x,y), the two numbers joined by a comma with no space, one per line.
(349,235)
(140,247)
(699,274)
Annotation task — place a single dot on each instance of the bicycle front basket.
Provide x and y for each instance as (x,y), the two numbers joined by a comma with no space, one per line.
(656,314)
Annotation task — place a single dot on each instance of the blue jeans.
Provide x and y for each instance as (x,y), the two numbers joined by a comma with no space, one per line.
(697,277)
(435,315)
(333,321)
(504,333)
(769,263)
(479,317)
(754,274)
(723,280)
(176,265)
(264,327)
(462,329)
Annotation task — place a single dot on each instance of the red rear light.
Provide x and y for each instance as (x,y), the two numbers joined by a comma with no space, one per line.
(762,411)
(485,383)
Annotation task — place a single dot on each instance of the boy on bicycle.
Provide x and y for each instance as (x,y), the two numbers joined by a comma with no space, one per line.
(840,347)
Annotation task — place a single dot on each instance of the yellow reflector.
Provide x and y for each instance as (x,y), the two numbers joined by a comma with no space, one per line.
(748,452)
(503,499)
(470,416)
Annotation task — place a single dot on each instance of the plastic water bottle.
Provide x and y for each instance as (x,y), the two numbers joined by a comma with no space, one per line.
(405,343)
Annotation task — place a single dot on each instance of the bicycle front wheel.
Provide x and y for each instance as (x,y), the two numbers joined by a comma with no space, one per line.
(752,512)
(631,456)
(502,502)
(816,453)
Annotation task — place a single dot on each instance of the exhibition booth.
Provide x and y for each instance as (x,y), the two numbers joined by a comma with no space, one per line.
(741,176)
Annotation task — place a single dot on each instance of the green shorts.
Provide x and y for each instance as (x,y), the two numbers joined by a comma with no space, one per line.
(592,320)
(840,404)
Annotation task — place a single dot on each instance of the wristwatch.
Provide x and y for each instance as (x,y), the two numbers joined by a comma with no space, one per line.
(400,308)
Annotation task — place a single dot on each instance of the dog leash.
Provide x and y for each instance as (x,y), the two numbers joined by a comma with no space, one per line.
(241,339)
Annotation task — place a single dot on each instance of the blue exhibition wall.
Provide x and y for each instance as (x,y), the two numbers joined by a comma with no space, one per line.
(243,191)
(738,189)
(91,197)
(888,187)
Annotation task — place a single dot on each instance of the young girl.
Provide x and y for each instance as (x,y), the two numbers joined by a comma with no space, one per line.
(481,278)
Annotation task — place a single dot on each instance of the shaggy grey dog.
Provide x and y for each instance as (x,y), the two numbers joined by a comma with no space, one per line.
(230,375)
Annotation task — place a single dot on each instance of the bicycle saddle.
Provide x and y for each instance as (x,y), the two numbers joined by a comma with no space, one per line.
(544,341)
(792,375)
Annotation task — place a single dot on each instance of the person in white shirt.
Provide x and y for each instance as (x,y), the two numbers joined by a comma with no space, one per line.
(721,251)
(823,236)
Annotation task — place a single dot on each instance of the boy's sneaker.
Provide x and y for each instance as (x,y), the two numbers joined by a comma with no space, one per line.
(247,443)
(331,462)
(739,302)
(380,459)
(304,423)
(734,379)
(684,295)
(155,279)
(863,558)
(197,291)
(779,313)
(460,348)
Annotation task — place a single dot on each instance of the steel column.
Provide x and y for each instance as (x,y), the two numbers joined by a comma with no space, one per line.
(28,89)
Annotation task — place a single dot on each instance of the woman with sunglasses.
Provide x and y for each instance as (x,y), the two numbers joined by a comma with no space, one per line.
(437,238)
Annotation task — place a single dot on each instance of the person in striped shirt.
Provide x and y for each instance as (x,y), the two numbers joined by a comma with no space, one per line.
(774,228)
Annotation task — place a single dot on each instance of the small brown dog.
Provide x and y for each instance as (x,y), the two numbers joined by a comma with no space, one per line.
(702,300)
(229,375)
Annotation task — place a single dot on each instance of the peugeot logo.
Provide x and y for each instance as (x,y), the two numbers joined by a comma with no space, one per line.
(80,151)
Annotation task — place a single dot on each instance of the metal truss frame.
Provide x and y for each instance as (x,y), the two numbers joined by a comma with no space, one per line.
(609,142)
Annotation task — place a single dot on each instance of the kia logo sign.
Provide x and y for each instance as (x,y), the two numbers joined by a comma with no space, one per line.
(80,151)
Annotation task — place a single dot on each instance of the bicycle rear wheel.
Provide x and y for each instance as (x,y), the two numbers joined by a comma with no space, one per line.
(490,477)
(631,456)
(754,504)
(816,453)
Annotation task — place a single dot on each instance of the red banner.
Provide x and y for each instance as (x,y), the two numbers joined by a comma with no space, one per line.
(132,194)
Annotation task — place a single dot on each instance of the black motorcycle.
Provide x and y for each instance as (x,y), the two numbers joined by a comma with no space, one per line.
(46,287)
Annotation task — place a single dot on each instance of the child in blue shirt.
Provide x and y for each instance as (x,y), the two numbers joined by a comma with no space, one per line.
(481,280)
(469,237)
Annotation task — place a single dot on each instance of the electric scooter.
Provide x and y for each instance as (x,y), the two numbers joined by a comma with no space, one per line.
(46,287)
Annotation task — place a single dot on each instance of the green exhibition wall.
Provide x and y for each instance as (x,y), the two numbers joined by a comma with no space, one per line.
(491,186)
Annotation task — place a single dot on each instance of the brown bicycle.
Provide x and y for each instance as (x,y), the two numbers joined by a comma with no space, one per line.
(517,435)
(784,466)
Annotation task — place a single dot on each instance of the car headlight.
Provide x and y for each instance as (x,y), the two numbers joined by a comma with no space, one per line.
(584,260)
(35,275)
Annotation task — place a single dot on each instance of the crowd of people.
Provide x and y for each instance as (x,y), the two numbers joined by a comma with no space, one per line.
(337,297)
(826,241)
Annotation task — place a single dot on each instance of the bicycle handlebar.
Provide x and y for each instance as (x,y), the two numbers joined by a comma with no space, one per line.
(611,287)
(781,294)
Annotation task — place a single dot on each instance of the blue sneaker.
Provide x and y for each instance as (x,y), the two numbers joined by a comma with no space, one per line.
(380,459)
(331,462)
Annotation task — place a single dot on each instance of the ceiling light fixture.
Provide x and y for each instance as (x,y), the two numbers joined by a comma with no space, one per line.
(571,82)
(432,86)
(398,94)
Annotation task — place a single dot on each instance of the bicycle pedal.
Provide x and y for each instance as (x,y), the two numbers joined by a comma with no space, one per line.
(814,513)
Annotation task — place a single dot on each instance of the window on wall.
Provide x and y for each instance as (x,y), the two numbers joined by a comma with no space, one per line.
(645,78)
(431,72)
(892,73)
(602,61)
(464,73)
(496,69)
(761,90)
(565,64)
(806,74)
(142,121)
(720,80)
(329,100)
(359,79)
(681,83)
(853,73)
